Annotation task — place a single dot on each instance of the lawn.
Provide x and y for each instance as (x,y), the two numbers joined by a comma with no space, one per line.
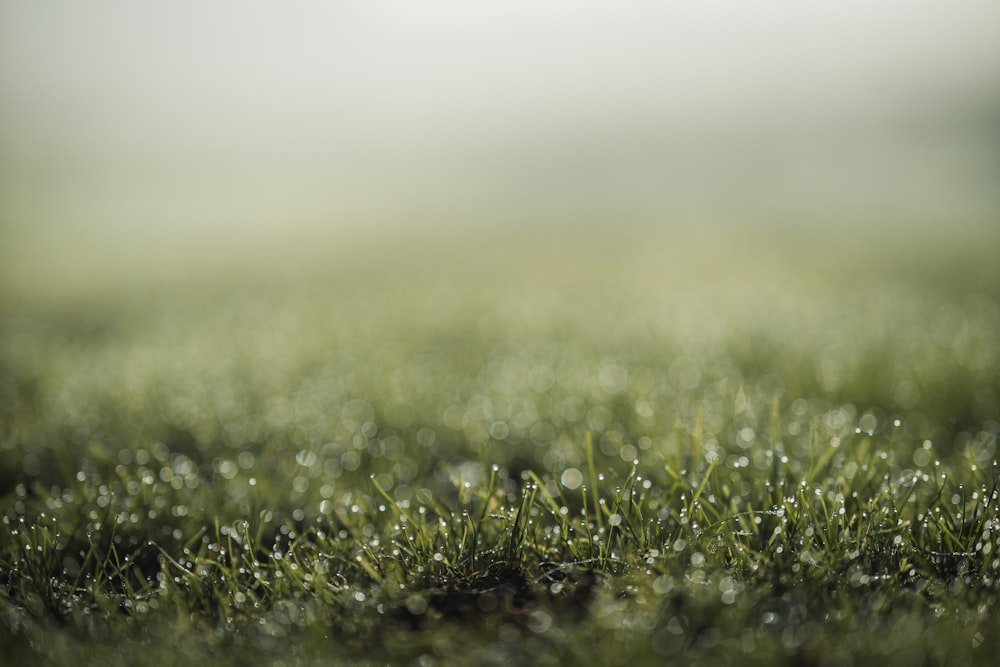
(506,450)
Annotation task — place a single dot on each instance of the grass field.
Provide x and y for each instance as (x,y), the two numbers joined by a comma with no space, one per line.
(507,451)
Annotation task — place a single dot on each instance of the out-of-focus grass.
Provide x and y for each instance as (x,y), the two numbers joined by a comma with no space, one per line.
(727,447)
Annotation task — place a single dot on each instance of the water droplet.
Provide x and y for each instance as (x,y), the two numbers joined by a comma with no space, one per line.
(571,478)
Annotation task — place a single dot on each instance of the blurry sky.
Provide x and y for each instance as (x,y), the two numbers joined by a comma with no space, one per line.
(128,120)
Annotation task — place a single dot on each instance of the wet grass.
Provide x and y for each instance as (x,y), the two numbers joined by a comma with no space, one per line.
(739,455)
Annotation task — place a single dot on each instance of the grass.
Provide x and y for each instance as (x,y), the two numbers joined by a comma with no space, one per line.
(745,454)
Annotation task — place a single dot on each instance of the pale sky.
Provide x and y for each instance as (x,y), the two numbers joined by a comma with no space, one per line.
(123,114)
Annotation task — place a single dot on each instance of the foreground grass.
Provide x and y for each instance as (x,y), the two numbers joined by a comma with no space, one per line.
(627,458)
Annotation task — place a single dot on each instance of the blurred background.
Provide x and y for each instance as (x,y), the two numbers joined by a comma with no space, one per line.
(136,134)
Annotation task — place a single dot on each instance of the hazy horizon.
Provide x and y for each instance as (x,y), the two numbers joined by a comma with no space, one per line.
(122,122)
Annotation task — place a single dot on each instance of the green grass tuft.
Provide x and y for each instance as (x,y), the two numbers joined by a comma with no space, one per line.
(775,467)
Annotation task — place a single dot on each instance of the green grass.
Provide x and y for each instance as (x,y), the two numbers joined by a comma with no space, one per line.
(713,454)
